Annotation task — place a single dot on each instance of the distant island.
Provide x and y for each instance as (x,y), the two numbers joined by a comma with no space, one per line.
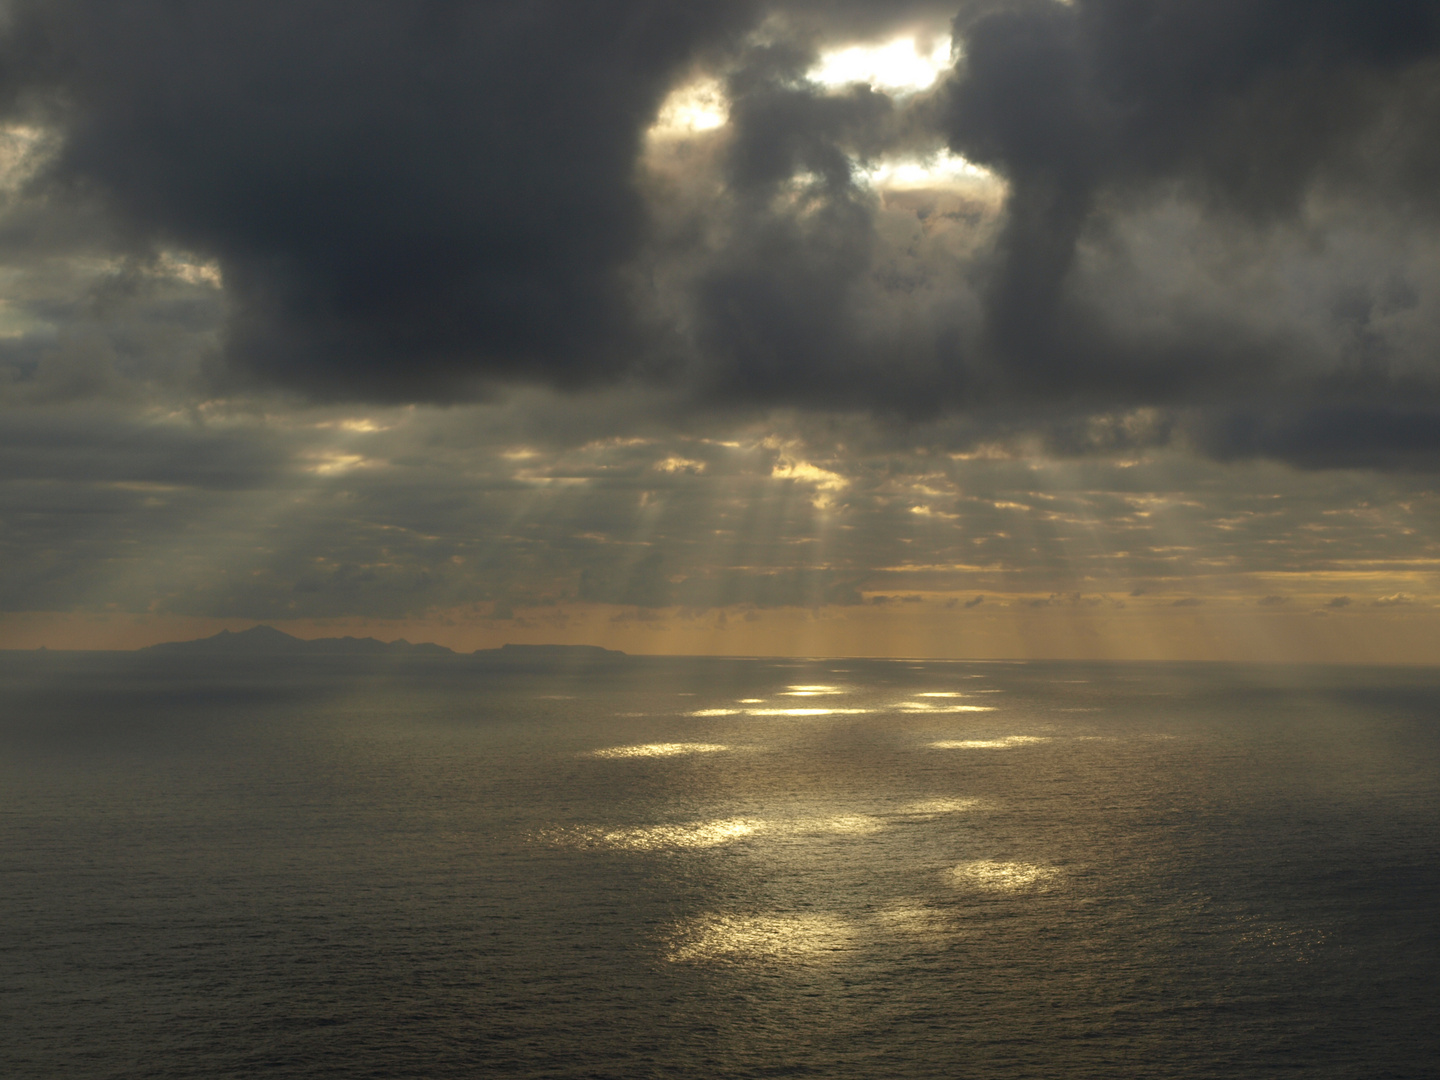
(268,642)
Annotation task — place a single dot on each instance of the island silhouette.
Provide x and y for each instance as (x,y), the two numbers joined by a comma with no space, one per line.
(266,641)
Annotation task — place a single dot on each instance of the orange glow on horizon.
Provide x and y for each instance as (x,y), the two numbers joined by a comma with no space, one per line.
(1362,634)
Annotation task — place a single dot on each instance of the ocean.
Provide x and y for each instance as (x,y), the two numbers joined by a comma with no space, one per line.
(665,867)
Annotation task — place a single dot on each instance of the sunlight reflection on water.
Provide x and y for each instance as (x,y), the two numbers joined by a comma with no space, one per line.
(1003,876)
(926,707)
(942,806)
(854,824)
(701,834)
(1238,881)
(707,834)
(816,711)
(800,937)
(669,749)
(765,937)
(808,712)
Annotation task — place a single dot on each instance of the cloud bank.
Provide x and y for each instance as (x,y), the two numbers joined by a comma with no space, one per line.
(1223,211)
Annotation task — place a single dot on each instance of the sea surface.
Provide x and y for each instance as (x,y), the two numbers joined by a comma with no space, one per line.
(674,868)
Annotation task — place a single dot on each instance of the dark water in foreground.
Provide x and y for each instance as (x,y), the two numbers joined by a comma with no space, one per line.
(327,869)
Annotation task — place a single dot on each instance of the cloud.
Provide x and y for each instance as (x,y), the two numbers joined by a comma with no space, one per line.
(781,588)
(1383,436)
(537,506)
(1394,600)
(383,309)
(402,197)
(1071,600)
(1245,106)
(1219,217)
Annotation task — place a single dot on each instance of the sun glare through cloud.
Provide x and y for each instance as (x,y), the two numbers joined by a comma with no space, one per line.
(902,66)
(691,109)
(941,169)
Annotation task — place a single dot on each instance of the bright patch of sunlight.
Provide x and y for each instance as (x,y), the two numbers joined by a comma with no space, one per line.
(669,749)
(988,744)
(813,474)
(783,938)
(359,425)
(23,150)
(690,109)
(824,480)
(675,464)
(897,67)
(927,707)
(331,463)
(807,712)
(940,170)
(1000,876)
(708,834)
(187,268)
(699,834)
(844,824)
(941,806)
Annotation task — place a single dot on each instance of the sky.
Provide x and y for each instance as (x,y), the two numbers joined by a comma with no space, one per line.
(988,328)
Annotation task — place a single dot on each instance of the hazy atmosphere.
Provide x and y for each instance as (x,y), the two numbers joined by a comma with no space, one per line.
(1104,329)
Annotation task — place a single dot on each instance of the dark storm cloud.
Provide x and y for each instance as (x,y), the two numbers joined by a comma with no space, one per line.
(1381,436)
(775,308)
(1245,105)
(419,201)
(1132,136)
(401,195)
